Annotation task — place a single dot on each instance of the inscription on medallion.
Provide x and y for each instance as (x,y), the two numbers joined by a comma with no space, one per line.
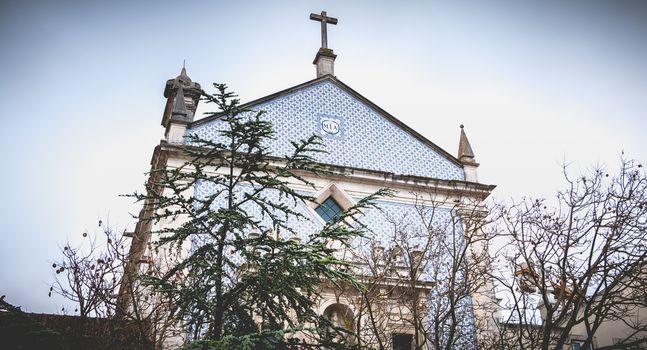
(330,126)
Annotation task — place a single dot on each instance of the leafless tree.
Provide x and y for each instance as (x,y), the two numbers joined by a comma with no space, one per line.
(576,263)
(425,279)
(90,276)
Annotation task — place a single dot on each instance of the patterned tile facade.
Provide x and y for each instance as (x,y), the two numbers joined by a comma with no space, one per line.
(355,135)
(302,228)
(389,224)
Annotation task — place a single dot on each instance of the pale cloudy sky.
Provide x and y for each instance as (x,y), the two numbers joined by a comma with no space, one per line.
(535,83)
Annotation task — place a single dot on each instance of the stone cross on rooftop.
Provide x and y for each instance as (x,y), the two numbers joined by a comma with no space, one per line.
(324,19)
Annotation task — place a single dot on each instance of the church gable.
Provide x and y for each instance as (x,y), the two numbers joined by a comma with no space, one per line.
(356,133)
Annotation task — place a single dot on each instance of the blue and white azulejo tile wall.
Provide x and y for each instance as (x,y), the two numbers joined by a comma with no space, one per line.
(355,135)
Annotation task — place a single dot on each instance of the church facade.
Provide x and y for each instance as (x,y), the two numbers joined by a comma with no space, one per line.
(437,194)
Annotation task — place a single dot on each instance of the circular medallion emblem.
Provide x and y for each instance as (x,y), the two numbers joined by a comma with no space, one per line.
(330,126)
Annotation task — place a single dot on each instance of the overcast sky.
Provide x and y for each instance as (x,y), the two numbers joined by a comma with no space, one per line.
(536,83)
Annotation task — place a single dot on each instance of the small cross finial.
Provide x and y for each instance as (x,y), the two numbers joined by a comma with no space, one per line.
(324,19)
(184,63)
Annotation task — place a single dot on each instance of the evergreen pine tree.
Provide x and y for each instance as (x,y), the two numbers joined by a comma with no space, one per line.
(244,284)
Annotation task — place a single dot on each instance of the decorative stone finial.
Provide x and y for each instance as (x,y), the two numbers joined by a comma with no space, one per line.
(466,157)
(183,77)
(465,153)
(191,91)
(190,88)
(182,96)
(179,105)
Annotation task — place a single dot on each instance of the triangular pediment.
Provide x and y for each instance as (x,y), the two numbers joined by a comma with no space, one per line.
(357,133)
